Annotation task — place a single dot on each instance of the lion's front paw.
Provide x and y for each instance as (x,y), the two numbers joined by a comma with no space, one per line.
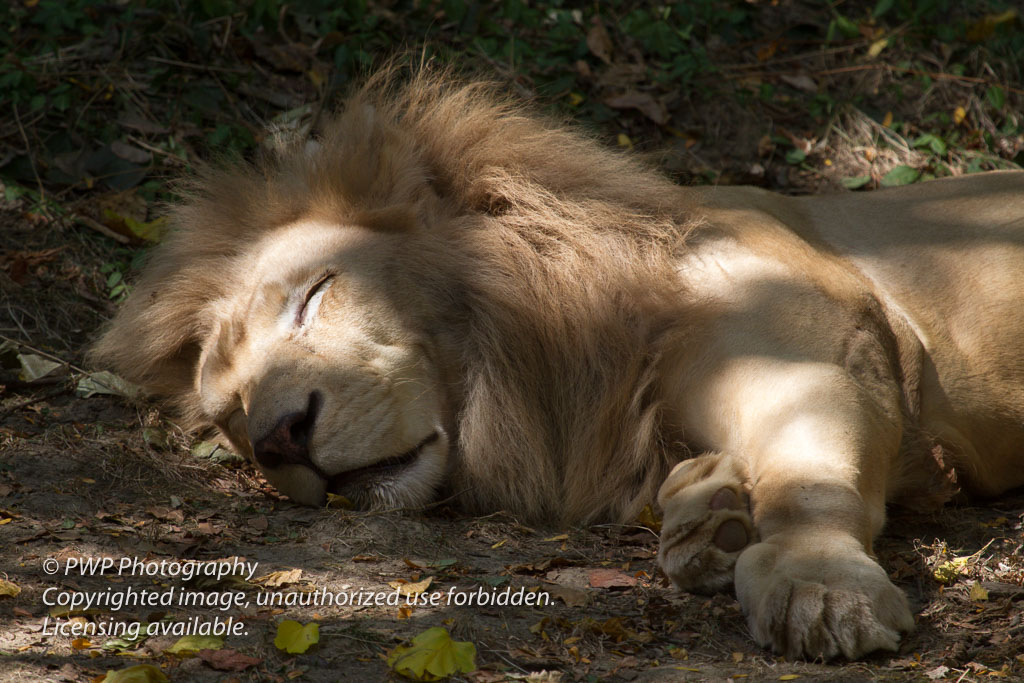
(706,522)
(819,596)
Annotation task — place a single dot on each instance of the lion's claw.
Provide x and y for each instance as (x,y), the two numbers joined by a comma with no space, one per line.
(817,597)
(706,523)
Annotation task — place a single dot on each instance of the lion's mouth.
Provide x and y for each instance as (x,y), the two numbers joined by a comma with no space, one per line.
(351,481)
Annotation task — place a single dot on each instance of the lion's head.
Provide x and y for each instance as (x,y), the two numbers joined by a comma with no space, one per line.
(446,294)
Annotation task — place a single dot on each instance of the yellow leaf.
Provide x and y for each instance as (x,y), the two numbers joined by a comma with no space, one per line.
(947,572)
(143,673)
(189,645)
(433,655)
(408,589)
(8,588)
(789,677)
(575,99)
(737,657)
(624,141)
(5,520)
(649,518)
(887,120)
(978,592)
(294,638)
(80,644)
(499,543)
(559,537)
(982,30)
(337,502)
(959,114)
(877,47)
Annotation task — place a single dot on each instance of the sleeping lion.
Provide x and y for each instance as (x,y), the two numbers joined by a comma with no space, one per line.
(448,296)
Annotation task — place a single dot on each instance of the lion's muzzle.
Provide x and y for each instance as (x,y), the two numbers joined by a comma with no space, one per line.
(287,443)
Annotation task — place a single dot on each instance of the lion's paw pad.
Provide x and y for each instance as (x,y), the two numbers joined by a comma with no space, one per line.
(707,521)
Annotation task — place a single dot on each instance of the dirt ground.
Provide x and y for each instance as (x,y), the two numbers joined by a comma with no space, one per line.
(78,479)
(108,478)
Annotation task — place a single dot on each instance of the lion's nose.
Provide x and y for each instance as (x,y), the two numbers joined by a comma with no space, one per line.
(288,441)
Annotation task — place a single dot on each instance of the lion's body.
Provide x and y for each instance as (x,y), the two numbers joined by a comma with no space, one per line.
(452,297)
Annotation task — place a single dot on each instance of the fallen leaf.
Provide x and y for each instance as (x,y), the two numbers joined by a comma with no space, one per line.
(141,673)
(982,30)
(280,578)
(599,42)
(8,589)
(408,589)
(294,638)
(948,572)
(572,597)
(800,82)
(611,578)
(190,645)
(648,518)
(337,502)
(130,152)
(559,537)
(228,660)
(642,102)
(978,592)
(433,655)
(104,382)
(35,367)
(877,47)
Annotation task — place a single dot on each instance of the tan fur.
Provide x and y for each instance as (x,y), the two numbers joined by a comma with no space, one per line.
(541,325)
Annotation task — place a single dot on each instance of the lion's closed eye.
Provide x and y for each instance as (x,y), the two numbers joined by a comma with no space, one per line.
(311,302)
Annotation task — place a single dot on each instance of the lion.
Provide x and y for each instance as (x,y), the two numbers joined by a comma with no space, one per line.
(449,296)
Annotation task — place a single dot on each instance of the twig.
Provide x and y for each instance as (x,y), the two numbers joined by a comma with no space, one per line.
(38,399)
(40,352)
(28,151)
(200,67)
(100,228)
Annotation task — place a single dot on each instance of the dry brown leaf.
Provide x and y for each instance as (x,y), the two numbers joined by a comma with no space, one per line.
(611,578)
(572,597)
(644,103)
(599,42)
(280,578)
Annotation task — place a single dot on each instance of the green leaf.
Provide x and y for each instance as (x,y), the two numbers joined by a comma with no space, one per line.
(433,655)
(795,156)
(996,97)
(881,8)
(142,673)
(901,175)
(856,182)
(848,28)
(294,638)
(127,641)
(189,645)
(933,142)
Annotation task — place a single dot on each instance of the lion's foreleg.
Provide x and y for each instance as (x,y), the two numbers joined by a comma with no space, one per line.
(818,450)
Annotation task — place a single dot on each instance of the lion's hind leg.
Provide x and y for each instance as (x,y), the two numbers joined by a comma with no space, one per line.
(706,521)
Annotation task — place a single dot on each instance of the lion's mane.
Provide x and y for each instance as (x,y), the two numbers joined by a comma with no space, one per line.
(539,262)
